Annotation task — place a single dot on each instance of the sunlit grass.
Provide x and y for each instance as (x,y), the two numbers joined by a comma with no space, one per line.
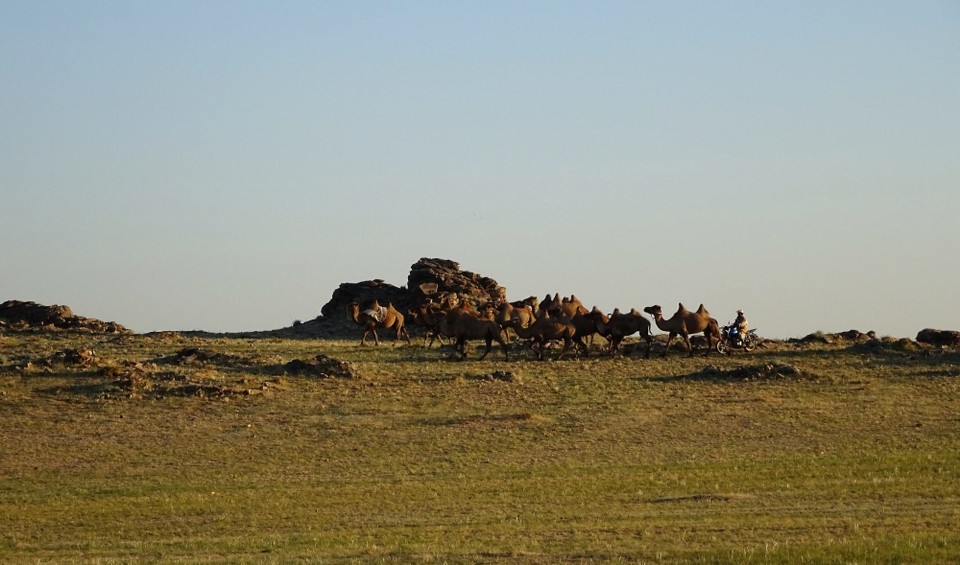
(853,459)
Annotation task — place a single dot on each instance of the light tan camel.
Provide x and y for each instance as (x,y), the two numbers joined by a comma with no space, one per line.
(684,323)
(376,316)
(620,326)
(463,326)
(547,329)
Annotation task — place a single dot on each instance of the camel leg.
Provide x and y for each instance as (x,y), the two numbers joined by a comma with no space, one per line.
(666,348)
(686,340)
(403,332)
(566,345)
(489,341)
(710,345)
(581,346)
(649,339)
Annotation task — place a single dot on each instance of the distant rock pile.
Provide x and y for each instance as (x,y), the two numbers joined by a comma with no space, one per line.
(18,314)
(847,337)
(939,337)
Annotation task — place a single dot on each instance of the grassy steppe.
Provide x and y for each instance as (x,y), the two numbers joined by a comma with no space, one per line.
(417,458)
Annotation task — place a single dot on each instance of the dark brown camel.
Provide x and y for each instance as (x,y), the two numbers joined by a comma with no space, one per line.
(547,329)
(428,317)
(620,326)
(588,324)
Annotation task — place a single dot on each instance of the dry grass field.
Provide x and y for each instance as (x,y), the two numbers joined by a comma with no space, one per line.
(208,449)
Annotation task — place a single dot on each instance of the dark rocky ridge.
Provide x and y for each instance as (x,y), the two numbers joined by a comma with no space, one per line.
(20,314)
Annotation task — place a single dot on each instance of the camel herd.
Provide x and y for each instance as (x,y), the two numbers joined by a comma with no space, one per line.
(540,322)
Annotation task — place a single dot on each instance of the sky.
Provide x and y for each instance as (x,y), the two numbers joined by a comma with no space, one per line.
(224,166)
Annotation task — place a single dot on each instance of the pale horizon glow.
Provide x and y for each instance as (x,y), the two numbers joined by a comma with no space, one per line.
(225,166)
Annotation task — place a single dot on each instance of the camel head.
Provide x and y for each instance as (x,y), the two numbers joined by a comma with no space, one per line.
(654,311)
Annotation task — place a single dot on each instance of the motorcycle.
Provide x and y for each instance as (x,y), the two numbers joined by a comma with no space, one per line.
(730,340)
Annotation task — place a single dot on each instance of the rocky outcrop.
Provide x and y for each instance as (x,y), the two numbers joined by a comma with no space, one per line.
(429,280)
(946,338)
(364,293)
(18,314)
(436,279)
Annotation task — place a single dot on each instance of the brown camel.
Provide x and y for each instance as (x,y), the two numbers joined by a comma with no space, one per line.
(530,301)
(376,316)
(428,317)
(509,312)
(463,326)
(588,325)
(547,329)
(684,323)
(623,325)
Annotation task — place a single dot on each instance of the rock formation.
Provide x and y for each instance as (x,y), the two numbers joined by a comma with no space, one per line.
(16,313)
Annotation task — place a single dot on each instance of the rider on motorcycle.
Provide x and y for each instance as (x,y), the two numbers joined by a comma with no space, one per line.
(740,326)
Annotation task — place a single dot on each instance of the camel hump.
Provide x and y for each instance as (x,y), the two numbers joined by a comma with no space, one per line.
(702,310)
(680,307)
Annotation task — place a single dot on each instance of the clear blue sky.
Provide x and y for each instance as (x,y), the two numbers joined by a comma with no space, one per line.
(226,165)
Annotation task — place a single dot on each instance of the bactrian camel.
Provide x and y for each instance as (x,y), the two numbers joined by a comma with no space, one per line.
(376,316)
(547,329)
(620,326)
(684,323)
(463,325)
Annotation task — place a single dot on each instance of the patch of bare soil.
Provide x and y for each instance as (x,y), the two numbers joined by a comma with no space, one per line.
(137,380)
(199,356)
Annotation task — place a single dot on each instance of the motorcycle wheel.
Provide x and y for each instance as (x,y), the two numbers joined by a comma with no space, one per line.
(749,344)
(722,348)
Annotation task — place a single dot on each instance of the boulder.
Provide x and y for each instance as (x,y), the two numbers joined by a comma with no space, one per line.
(939,337)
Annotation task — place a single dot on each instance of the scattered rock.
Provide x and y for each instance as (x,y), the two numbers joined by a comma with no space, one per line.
(505,376)
(320,366)
(79,356)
